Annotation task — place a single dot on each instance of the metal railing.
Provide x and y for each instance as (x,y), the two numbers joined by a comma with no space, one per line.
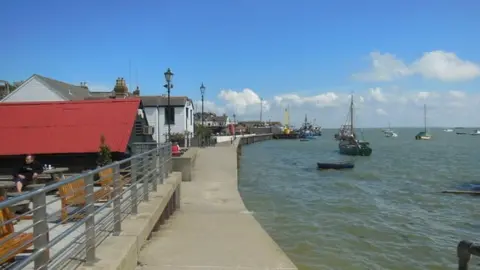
(63,230)
(465,250)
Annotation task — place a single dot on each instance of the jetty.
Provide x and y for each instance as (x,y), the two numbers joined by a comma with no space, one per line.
(213,229)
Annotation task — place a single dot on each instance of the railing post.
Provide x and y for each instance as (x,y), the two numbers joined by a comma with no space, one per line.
(133,186)
(145,178)
(40,230)
(90,221)
(158,165)
(164,165)
(170,160)
(153,169)
(117,200)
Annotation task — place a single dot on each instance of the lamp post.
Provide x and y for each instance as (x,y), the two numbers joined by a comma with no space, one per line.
(202,91)
(234,126)
(168,77)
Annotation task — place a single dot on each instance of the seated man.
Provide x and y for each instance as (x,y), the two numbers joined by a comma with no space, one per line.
(27,172)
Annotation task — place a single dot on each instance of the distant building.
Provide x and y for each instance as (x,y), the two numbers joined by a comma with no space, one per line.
(212,120)
(67,134)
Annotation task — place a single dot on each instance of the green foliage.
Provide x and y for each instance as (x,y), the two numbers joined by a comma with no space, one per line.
(104,153)
(177,137)
(202,131)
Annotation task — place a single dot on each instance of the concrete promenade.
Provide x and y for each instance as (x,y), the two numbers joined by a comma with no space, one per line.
(212,229)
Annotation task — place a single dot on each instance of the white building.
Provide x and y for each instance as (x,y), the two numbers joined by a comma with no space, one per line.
(39,88)
(181,122)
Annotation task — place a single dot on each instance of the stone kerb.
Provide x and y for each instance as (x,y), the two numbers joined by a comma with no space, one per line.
(185,163)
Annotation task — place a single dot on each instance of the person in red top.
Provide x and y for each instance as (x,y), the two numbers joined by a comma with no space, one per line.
(175,149)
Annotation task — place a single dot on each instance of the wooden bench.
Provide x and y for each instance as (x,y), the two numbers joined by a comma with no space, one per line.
(12,243)
(73,194)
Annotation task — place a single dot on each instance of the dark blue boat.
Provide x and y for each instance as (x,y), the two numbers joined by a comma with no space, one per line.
(335,166)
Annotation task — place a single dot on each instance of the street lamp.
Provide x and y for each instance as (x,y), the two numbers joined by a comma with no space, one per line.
(168,77)
(202,91)
(234,126)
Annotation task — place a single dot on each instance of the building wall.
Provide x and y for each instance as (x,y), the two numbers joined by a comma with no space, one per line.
(32,90)
(156,118)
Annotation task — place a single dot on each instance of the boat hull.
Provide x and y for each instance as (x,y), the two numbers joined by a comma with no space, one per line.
(423,137)
(350,149)
(334,166)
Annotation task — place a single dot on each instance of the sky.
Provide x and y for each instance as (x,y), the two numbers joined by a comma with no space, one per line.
(308,55)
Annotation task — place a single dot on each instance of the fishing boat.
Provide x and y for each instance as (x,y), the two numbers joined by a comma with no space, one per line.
(424,135)
(335,166)
(476,132)
(348,142)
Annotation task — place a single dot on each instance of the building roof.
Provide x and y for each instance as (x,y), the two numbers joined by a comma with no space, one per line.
(66,127)
(65,90)
(154,101)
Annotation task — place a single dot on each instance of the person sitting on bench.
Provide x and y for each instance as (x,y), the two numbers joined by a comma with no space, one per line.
(28,172)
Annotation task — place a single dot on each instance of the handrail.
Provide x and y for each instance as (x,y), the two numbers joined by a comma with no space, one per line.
(465,250)
(99,211)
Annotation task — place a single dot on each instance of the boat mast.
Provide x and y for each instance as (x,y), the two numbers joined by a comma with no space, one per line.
(351,116)
(425,116)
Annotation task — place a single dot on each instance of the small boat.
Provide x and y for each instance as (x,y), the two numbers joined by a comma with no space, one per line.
(424,135)
(476,132)
(448,130)
(335,166)
(461,133)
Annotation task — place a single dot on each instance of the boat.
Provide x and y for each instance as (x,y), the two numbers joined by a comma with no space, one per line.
(424,135)
(348,142)
(448,130)
(476,132)
(335,166)
(389,133)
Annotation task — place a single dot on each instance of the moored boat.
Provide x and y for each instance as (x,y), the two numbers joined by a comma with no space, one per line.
(476,132)
(349,144)
(335,165)
(424,135)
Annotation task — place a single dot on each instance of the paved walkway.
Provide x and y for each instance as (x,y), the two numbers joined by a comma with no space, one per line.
(213,229)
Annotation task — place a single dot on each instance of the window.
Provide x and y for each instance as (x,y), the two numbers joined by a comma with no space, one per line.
(170,115)
(191,117)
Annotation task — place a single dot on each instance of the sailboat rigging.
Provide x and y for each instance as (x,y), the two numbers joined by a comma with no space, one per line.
(349,144)
(424,135)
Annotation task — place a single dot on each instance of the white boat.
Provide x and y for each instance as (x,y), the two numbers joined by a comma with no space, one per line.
(476,132)
(390,134)
(448,130)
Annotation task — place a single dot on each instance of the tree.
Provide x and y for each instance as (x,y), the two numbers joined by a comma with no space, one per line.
(202,131)
(104,153)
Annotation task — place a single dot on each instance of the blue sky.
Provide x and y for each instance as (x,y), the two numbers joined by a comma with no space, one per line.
(288,53)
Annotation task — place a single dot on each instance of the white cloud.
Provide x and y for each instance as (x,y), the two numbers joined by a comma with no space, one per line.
(377,94)
(209,106)
(457,94)
(402,107)
(328,99)
(381,111)
(440,65)
(243,101)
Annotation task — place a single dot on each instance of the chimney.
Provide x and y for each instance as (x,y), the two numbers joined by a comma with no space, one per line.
(84,85)
(120,88)
(136,92)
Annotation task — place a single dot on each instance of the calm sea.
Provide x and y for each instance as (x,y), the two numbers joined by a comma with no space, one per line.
(386,213)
